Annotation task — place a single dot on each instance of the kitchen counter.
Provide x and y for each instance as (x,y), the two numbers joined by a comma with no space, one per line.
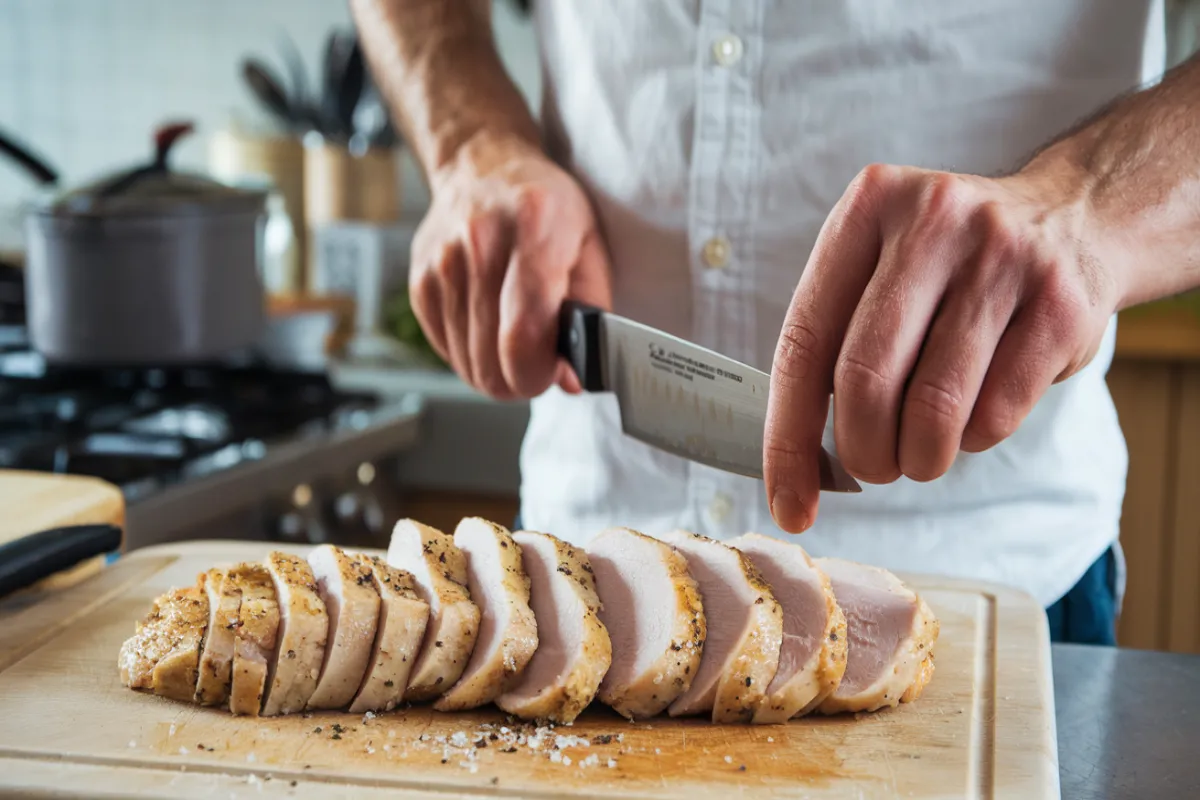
(1128,723)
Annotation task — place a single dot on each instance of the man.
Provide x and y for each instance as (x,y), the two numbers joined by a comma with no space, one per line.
(957,299)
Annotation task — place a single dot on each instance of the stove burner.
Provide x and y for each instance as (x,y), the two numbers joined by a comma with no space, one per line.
(144,428)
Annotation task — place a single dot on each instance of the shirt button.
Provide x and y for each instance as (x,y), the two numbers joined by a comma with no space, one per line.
(727,50)
(716,252)
(719,508)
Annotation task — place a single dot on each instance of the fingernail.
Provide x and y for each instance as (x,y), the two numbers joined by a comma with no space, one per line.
(789,513)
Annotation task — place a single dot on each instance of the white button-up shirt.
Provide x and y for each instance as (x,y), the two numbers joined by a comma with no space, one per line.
(714,136)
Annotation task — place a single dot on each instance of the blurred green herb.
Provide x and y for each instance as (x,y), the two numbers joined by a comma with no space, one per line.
(401,322)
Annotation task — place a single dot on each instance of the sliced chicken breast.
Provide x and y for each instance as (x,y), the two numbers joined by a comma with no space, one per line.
(745,630)
(403,616)
(255,637)
(164,654)
(346,587)
(574,650)
(303,629)
(891,631)
(813,655)
(216,658)
(652,610)
(507,630)
(440,571)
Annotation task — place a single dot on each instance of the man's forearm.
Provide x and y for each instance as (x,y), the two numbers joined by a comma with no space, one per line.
(1136,168)
(440,74)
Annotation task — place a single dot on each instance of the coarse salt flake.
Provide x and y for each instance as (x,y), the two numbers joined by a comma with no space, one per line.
(728,759)
(183,751)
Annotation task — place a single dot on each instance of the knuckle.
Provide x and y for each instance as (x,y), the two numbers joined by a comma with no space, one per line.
(934,403)
(865,192)
(782,453)
(1064,306)
(798,356)
(996,232)
(482,236)
(521,333)
(858,379)
(945,195)
(531,205)
(445,262)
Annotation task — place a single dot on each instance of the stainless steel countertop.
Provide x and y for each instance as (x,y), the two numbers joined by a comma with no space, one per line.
(1128,723)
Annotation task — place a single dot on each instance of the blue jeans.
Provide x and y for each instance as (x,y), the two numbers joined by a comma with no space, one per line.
(1087,614)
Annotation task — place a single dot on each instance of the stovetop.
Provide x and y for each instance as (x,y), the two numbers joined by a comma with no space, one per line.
(144,429)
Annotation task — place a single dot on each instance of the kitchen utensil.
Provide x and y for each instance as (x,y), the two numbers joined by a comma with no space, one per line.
(301,96)
(351,88)
(149,266)
(36,501)
(678,396)
(269,90)
(25,561)
(39,169)
(333,67)
(984,726)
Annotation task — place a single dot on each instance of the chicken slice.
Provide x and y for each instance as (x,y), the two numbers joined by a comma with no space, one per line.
(574,651)
(255,637)
(652,610)
(889,657)
(745,630)
(403,616)
(507,630)
(216,657)
(164,654)
(813,656)
(440,571)
(348,591)
(303,629)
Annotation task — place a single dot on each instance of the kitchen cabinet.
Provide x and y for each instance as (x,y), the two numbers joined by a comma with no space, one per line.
(1155,384)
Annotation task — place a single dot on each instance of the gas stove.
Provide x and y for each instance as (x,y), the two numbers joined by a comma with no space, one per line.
(243,448)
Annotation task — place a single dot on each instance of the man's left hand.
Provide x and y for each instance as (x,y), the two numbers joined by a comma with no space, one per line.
(937,309)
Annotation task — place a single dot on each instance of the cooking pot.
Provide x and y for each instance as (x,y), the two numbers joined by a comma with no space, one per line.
(148,266)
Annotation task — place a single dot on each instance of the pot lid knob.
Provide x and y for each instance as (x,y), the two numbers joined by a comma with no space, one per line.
(165,138)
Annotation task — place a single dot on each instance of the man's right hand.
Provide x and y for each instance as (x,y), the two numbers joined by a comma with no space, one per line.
(508,237)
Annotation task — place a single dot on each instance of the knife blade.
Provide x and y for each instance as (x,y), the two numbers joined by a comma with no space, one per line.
(678,396)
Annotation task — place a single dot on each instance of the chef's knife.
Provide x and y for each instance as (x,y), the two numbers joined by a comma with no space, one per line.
(678,396)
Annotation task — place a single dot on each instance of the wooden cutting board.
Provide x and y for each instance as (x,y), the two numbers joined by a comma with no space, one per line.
(984,728)
(36,501)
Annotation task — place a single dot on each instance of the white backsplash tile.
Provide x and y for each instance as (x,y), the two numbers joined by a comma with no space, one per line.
(85,82)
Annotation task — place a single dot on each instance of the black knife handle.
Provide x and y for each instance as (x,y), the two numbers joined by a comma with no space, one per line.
(27,560)
(579,343)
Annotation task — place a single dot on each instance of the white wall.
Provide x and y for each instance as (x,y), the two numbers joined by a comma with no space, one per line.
(86,81)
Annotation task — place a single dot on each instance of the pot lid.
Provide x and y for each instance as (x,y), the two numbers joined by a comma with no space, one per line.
(155,189)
